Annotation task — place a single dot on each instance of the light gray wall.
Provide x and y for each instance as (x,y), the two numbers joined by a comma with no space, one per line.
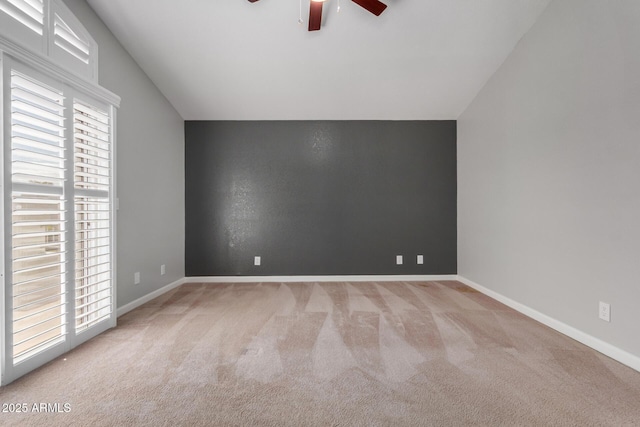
(150,168)
(549,171)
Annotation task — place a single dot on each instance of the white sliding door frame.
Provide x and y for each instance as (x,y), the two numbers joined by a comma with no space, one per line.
(99,300)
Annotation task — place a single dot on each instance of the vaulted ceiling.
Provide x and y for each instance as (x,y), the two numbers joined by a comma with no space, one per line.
(236,60)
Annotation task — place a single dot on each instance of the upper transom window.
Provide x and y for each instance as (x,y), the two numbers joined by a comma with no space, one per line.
(49,28)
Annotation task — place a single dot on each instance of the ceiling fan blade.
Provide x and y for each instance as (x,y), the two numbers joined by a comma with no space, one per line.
(252,1)
(315,15)
(374,6)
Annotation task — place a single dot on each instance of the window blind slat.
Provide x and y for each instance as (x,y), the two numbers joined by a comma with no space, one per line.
(101,307)
(94,320)
(65,33)
(94,122)
(94,113)
(21,354)
(20,307)
(70,47)
(36,280)
(33,146)
(87,144)
(91,297)
(46,170)
(42,246)
(95,175)
(99,135)
(40,119)
(37,313)
(23,89)
(16,344)
(33,9)
(37,323)
(36,257)
(36,179)
(99,281)
(34,292)
(38,135)
(28,108)
(99,161)
(36,4)
(50,157)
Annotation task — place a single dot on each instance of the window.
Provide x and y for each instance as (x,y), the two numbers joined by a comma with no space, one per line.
(68,40)
(57,148)
(49,28)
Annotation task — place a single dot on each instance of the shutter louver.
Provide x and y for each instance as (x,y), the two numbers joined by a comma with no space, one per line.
(92,181)
(38,216)
(29,13)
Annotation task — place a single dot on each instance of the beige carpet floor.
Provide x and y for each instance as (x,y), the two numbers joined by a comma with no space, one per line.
(329,354)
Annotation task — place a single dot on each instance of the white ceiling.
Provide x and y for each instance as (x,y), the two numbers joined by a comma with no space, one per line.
(235,60)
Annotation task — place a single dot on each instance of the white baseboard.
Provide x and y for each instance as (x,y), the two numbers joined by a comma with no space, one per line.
(137,303)
(605,348)
(264,279)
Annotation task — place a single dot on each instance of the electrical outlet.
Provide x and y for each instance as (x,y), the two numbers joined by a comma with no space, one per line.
(136,278)
(399,259)
(604,311)
(420,259)
(257,260)
(163,270)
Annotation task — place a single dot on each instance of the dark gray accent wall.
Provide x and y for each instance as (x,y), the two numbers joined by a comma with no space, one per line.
(320,197)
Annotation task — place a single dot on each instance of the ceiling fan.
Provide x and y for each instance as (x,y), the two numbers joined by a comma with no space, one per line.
(315,10)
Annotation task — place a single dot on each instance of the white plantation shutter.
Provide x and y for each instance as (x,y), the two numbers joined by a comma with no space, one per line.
(38,228)
(29,13)
(92,183)
(68,40)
